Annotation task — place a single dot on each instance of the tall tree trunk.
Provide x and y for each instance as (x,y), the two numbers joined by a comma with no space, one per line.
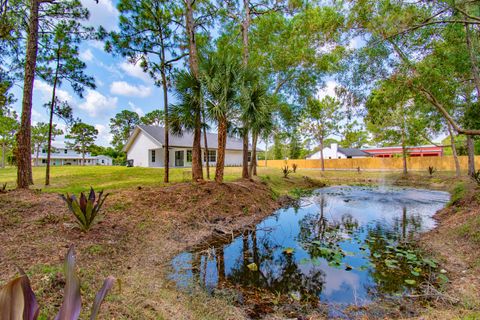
(50,123)
(36,156)
(24,149)
(253,159)
(454,150)
(205,142)
(4,149)
(83,158)
(471,155)
(245,153)
(222,143)
(166,154)
(245,54)
(473,60)
(266,152)
(197,172)
(404,155)
(321,154)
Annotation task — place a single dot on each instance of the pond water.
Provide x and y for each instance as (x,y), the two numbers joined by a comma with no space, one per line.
(338,246)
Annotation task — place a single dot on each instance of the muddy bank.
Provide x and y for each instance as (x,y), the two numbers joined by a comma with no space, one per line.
(455,242)
(142,229)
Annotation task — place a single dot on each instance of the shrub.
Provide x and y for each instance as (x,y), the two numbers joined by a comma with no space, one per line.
(476,177)
(458,193)
(286,171)
(431,170)
(3,188)
(294,167)
(17,299)
(87,210)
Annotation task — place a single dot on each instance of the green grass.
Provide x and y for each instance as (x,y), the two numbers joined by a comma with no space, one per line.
(74,179)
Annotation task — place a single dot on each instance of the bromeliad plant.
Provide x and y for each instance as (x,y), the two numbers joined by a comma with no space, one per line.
(286,171)
(294,167)
(86,211)
(17,299)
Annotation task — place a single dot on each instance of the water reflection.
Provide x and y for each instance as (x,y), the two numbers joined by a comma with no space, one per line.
(330,248)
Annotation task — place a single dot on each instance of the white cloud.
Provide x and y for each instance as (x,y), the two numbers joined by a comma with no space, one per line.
(111,69)
(134,70)
(86,55)
(328,90)
(102,13)
(46,92)
(136,109)
(96,104)
(126,89)
(38,117)
(96,44)
(104,137)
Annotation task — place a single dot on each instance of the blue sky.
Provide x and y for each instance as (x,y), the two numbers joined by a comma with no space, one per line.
(120,84)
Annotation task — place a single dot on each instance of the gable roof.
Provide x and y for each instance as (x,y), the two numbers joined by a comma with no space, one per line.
(352,152)
(157,134)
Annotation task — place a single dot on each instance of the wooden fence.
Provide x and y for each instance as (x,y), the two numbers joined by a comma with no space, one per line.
(445,163)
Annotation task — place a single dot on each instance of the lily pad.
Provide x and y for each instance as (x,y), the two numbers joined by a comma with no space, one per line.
(252,266)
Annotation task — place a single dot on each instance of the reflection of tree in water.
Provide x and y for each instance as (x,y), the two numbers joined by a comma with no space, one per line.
(316,232)
(407,225)
(383,241)
(277,270)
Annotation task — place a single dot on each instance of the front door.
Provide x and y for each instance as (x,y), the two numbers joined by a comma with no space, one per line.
(179,158)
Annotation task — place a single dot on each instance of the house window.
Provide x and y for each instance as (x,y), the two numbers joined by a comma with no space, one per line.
(103,161)
(153,155)
(189,155)
(65,151)
(249,156)
(212,156)
(44,151)
(44,161)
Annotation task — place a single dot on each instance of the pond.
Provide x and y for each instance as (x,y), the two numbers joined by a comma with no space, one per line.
(339,246)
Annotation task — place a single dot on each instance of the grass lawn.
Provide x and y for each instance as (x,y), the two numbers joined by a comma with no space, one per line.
(80,178)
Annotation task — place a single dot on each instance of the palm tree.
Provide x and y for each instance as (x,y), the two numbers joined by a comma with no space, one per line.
(256,114)
(220,75)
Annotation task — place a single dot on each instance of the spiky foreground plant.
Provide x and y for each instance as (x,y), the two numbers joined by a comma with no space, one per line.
(17,299)
(86,211)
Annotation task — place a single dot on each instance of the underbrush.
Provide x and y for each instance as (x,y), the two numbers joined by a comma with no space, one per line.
(470,229)
(458,193)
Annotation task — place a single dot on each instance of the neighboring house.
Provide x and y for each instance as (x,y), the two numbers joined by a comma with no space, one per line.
(417,151)
(336,152)
(63,157)
(145,148)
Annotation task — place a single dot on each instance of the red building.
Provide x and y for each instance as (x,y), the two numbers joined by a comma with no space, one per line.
(419,151)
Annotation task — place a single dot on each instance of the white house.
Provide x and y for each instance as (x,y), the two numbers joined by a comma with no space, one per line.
(145,148)
(63,156)
(336,152)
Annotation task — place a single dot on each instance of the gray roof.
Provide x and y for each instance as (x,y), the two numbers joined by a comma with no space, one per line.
(352,152)
(186,139)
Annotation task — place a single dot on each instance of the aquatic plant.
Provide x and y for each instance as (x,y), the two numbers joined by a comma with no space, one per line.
(17,299)
(86,211)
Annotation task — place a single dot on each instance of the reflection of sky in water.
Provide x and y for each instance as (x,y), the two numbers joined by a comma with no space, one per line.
(354,211)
